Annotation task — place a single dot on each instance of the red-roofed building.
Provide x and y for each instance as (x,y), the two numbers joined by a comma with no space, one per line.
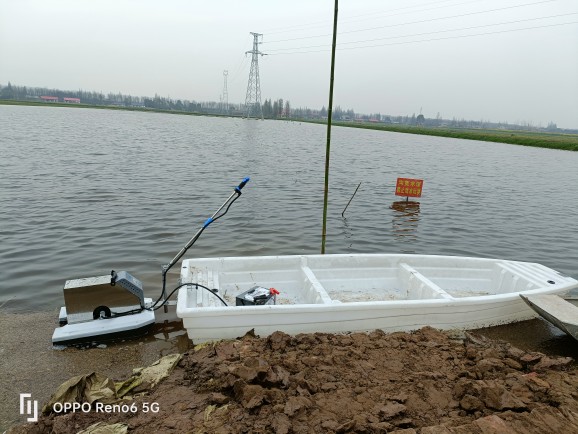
(49,98)
(72,100)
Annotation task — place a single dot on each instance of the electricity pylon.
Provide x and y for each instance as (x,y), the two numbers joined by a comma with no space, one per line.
(253,98)
(225,93)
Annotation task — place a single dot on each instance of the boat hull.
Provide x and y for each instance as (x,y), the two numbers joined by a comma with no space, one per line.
(349,293)
(103,329)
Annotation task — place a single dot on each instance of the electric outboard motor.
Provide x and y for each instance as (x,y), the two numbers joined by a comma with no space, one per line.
(104,307)
(92,298)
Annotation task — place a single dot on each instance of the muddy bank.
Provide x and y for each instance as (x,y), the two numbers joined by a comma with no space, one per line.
(422,382)
(29,364)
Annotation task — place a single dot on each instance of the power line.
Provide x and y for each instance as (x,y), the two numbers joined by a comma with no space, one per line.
(435,39)
(372,14)
(240,69)
(453,16)
(241,62)
(416,22)
(387,15)
(429,33)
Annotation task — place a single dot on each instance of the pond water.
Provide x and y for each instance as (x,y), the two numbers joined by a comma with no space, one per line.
(84,191)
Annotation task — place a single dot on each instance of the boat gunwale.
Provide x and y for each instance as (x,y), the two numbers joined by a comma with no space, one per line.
(376,304)
(567,284)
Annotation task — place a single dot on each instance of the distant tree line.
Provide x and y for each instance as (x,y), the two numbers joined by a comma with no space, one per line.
(24,93)
(272,109)
(276,109)
(338,114)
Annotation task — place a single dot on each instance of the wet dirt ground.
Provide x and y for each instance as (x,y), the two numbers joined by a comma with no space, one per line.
(421,382)
(29,364)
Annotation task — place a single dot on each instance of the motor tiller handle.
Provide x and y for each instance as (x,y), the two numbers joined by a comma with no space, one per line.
(242,184)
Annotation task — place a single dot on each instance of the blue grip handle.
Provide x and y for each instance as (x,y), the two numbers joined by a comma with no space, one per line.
(242,184)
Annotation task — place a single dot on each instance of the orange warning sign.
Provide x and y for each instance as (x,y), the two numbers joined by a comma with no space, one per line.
(408,187)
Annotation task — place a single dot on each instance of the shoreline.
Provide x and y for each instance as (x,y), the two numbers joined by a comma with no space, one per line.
(421,382)
(29,364)
(547,140)
(559,141)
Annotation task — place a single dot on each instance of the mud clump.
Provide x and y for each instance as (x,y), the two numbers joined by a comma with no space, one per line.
(422,382)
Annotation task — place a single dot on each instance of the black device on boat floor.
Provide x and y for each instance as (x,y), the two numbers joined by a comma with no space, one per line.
(256,296)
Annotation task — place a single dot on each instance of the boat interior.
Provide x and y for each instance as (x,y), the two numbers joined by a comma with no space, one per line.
(331,279)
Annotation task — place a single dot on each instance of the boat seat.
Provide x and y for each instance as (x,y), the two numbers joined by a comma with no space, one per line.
(206,277)
(421,286)
(321,296)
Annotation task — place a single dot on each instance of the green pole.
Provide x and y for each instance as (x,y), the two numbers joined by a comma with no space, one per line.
(329,113)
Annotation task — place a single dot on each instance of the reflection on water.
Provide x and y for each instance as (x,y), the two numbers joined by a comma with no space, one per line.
(405,221)
(347,232)
(170,332)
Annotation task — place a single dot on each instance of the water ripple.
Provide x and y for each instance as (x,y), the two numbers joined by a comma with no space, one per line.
(100,190)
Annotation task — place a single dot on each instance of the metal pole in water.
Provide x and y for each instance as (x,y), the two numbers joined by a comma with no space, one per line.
(329,113)
(354,193)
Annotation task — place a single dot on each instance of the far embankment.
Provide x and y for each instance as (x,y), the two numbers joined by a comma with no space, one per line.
(541,139)
(568,142)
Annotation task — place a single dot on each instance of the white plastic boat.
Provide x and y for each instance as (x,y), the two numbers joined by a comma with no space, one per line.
(359,292)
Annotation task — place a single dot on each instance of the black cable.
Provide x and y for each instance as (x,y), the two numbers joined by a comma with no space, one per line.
(227,210)
(153,308)
(193,241)
(190,244)
(128,312)
(212,291)
(163,292)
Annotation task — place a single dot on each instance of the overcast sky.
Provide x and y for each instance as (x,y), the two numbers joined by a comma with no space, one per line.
(395,57)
